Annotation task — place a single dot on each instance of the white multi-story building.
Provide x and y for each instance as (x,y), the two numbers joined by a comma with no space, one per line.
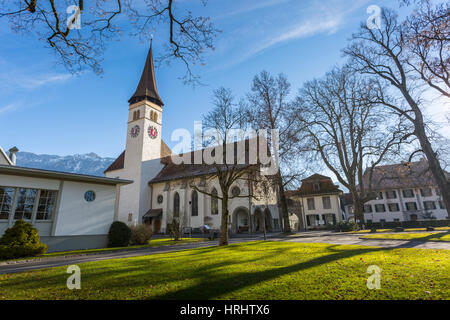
(316,204)
(403,192)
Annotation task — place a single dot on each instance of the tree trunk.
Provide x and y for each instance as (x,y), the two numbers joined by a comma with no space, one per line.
(284,208)
(435,166)
(224,226)
(433,162)
(358,213)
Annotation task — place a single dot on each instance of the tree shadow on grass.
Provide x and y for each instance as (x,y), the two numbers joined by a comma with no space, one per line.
(133,271)
(435,237)
(210,288)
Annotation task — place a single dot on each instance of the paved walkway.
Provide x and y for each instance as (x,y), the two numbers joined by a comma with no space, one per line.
(355,239)
(51,262)
(306,237)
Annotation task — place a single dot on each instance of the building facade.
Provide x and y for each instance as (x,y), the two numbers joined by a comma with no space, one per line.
(316,204)
(163,190)
(70,211)
(403,192)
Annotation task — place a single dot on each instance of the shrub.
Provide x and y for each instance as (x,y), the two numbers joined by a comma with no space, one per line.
(346,226)
(119,234)
(141,234)
(22,240)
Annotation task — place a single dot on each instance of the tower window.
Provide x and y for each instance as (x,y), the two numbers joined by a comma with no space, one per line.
(136,115)
(153,116)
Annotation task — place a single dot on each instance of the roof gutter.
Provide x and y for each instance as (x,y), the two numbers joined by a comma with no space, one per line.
(47,174)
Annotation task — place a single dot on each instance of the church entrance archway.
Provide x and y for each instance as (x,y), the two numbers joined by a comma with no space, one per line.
(241,220)
(262,218)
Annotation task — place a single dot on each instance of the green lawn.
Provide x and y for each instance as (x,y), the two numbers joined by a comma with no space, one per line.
(431,236)
(152,243)
(253,270)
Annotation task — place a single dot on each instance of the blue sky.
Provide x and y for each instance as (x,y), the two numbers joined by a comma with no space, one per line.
(44,109)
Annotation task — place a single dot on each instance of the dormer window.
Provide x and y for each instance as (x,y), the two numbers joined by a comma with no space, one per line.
(316,187)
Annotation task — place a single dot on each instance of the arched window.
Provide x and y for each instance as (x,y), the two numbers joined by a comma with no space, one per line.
(176,205)
(138,114)
(194,203)
(153,116)
(214,202)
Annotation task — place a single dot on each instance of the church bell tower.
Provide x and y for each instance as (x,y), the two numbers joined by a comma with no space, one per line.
(141,160)
(144,118)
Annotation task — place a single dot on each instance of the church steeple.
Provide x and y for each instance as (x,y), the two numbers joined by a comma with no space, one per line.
(146,89)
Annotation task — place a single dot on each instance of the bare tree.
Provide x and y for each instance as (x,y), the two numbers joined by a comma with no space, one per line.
(222,120)
(342,123)
(383,53)
(427,37)
(51,21)
(269,109)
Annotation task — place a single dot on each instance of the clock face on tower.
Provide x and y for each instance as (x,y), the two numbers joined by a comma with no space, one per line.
(152,132)
(134,132)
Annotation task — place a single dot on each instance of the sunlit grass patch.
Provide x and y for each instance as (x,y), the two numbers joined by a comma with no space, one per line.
(252,270)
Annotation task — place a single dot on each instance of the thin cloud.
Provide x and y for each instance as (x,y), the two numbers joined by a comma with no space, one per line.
(251,8)
(33,83)
(281,25)
(307,29)
(10,107)
(12,80)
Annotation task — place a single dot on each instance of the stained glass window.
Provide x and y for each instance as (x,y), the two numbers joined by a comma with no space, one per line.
(194,203)
(176,205)
(214,202)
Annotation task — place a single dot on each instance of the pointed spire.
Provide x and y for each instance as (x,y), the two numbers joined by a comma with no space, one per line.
(146,89)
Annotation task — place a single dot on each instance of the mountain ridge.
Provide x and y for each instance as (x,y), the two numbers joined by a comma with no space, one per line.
(89,163)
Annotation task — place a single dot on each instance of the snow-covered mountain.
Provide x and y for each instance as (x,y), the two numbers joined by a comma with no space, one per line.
(89,163)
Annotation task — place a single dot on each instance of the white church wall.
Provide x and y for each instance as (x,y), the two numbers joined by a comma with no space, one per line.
(204,203)
(149,169)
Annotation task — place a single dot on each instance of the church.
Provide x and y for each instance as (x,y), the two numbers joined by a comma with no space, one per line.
(162,190)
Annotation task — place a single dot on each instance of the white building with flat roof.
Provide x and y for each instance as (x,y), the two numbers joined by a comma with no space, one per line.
(70,211)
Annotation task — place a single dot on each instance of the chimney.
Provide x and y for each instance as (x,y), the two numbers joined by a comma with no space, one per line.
(12,154)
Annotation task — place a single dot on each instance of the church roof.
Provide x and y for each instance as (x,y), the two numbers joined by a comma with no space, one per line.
(401,175)
(325,186)
(120,161)
(146,89)
(173,171)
